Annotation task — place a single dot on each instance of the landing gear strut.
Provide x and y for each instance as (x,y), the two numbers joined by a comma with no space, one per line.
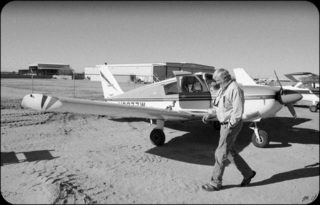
(259,138)
(157,135)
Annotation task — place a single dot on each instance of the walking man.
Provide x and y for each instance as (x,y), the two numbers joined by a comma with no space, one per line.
(228,107)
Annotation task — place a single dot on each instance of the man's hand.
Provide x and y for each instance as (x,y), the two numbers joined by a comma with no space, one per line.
(211,114)
(205,118)
(230,126)
(211,111)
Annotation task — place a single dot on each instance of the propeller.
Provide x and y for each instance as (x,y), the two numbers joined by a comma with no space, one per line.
(278,80)
(291,109)
(287,97)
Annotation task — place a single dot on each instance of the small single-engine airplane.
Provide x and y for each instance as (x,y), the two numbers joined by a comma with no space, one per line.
(309,96)
(186,97)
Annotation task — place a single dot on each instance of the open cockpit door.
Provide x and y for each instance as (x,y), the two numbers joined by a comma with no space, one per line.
(193,92)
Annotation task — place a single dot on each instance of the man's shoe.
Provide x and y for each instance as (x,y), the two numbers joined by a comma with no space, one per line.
(246,182)
(210,187)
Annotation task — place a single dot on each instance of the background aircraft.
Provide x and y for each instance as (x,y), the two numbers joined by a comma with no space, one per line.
(309,82)
(305,79)
(305,83)
(185,97)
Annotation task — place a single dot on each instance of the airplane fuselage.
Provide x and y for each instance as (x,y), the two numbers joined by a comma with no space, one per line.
(260,102)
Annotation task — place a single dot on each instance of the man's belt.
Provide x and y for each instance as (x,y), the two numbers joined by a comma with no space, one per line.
(224,123)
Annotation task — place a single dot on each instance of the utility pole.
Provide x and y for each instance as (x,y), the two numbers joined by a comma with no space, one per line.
(74,84)
(31,80)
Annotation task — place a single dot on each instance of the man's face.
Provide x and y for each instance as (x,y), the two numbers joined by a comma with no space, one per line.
(217,82)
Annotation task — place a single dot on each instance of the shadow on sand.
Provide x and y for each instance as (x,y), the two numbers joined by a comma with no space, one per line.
(11,157)
(199,143)
(308,171)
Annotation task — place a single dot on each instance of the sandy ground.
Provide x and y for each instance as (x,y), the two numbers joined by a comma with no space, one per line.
(77,159)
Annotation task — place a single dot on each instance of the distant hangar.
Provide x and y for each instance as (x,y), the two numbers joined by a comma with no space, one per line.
(54,70)
(47,69)
(146,72)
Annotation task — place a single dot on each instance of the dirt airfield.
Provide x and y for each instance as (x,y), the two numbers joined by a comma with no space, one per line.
(86,159)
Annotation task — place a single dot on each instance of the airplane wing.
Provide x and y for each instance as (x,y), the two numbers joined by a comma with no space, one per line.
(47,103)
(304,77)
(242,77)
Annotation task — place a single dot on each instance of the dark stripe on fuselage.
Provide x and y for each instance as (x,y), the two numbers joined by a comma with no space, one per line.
(259,97)
(252,97)
(142,99)
(196,111)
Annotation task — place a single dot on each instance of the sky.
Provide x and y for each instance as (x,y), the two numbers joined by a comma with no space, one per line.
(259,36)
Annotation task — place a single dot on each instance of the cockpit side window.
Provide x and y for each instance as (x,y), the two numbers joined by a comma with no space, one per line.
(171,89)
(190,84)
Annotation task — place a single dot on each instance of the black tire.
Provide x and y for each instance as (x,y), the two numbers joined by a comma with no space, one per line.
(157,137)
(313,108)
(264,139)
(216,125)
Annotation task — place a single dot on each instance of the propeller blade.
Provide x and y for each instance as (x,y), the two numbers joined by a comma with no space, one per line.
(278,80)
(292,111)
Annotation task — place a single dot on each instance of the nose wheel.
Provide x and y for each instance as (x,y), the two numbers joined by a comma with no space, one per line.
(259,137)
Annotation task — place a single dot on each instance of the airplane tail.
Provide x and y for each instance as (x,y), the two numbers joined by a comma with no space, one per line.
(242,77)
(109,84)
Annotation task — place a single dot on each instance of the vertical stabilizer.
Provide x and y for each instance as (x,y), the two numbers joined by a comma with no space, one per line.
(109,84)
(242,77)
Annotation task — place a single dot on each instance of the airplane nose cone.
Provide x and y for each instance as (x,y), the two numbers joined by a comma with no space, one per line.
(288,96)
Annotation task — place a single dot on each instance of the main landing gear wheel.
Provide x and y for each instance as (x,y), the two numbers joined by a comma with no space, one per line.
(313,108)
(261,141)
(157,137)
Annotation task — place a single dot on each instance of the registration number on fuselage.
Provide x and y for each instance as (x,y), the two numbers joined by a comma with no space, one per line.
(132,103)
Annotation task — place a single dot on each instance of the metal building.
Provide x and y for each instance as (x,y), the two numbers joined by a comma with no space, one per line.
(146,72)
(48,69)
